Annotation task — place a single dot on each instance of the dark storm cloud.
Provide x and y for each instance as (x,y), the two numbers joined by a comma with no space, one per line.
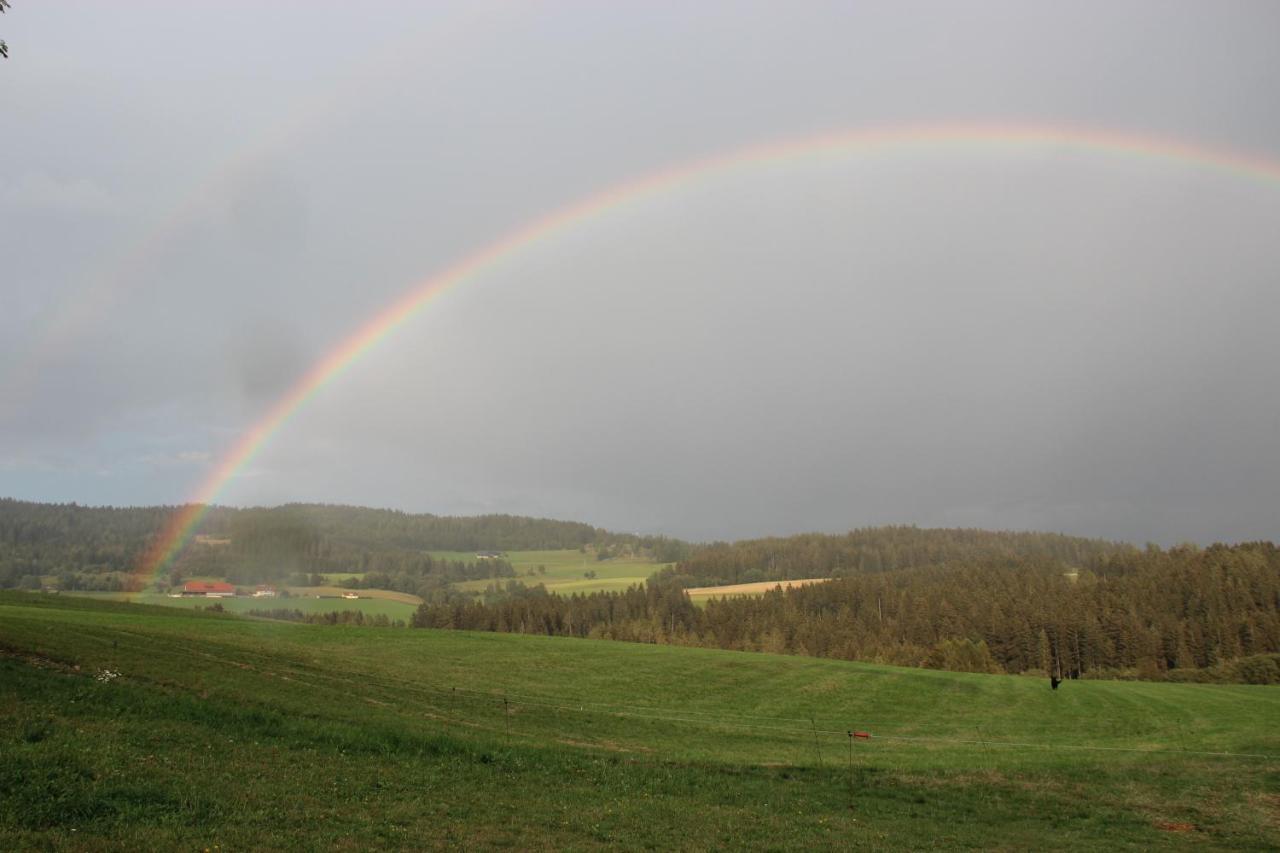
(268,359)
(977,336)
(268,211)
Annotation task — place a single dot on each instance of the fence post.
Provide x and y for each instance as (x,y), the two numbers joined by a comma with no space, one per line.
(851,769)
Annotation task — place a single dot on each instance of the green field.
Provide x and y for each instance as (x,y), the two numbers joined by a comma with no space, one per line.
(565,570)
(222,731)
(338,577)
(369,606)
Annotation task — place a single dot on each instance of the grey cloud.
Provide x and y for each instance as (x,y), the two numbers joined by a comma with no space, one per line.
(38,191)
(268,211)
(268,358)
(985,335)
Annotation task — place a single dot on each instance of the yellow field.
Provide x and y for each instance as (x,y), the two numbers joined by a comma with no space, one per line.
(760,588)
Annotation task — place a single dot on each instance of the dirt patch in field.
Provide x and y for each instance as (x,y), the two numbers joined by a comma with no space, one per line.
(965,779)
(1175,826)
(1268,805)
(603,744)
(40,661)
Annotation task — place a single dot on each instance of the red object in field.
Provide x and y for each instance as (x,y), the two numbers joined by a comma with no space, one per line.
(863,735)
(213,589)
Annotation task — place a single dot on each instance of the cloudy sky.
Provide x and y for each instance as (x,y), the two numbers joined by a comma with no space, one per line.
(200,200)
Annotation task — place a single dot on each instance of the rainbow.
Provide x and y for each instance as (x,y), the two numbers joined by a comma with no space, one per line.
(858,141)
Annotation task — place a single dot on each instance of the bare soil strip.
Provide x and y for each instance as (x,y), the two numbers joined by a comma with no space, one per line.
(748,588)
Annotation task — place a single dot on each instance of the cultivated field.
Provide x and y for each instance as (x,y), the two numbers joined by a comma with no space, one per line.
(131,727)
(566,570)
(703,593)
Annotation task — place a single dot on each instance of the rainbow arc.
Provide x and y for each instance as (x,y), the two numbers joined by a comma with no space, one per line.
(861,142)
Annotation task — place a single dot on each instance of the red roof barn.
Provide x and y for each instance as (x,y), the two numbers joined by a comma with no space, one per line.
(211,589)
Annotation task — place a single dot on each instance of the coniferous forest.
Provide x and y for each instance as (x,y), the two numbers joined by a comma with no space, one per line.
(1183,613)
(877,549)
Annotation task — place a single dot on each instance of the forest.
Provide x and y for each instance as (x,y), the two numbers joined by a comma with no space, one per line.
(877,549)
(98,547)
(1184,613)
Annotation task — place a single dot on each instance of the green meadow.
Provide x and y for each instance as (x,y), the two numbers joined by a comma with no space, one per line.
(566,570)
(126,727)
(240,604)
(334,578)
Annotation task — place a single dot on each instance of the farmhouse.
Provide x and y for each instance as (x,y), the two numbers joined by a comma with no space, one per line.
(488,555)
(264,591)
(209,589)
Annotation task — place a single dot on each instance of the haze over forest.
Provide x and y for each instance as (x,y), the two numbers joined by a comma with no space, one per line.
(199,203)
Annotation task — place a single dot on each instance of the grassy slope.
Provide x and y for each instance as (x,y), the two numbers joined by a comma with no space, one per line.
(258,734)
(565,570)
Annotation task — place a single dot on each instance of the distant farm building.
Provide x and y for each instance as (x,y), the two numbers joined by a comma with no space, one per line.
(209,589)
(488,555)
(351,595)
(264,591)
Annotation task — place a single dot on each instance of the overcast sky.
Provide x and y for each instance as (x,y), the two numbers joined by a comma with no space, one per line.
(198,200)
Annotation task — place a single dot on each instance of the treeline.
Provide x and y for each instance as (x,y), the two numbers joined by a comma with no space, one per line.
(43,539)
(333,617)
(877,549)
(1177,613)
(98,547)
(380,529)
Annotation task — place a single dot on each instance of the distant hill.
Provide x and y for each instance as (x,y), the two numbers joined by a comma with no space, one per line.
(879,549)
(93,547)
(1208,614)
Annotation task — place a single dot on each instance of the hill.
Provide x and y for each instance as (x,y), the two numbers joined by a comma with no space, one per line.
(1186,613)
(129,727)
(879,549)
(96,548)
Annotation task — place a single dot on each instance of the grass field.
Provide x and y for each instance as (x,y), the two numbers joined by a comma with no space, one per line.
(333,593)
(565,570)
(241,733)
(372,601)
(337,577)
